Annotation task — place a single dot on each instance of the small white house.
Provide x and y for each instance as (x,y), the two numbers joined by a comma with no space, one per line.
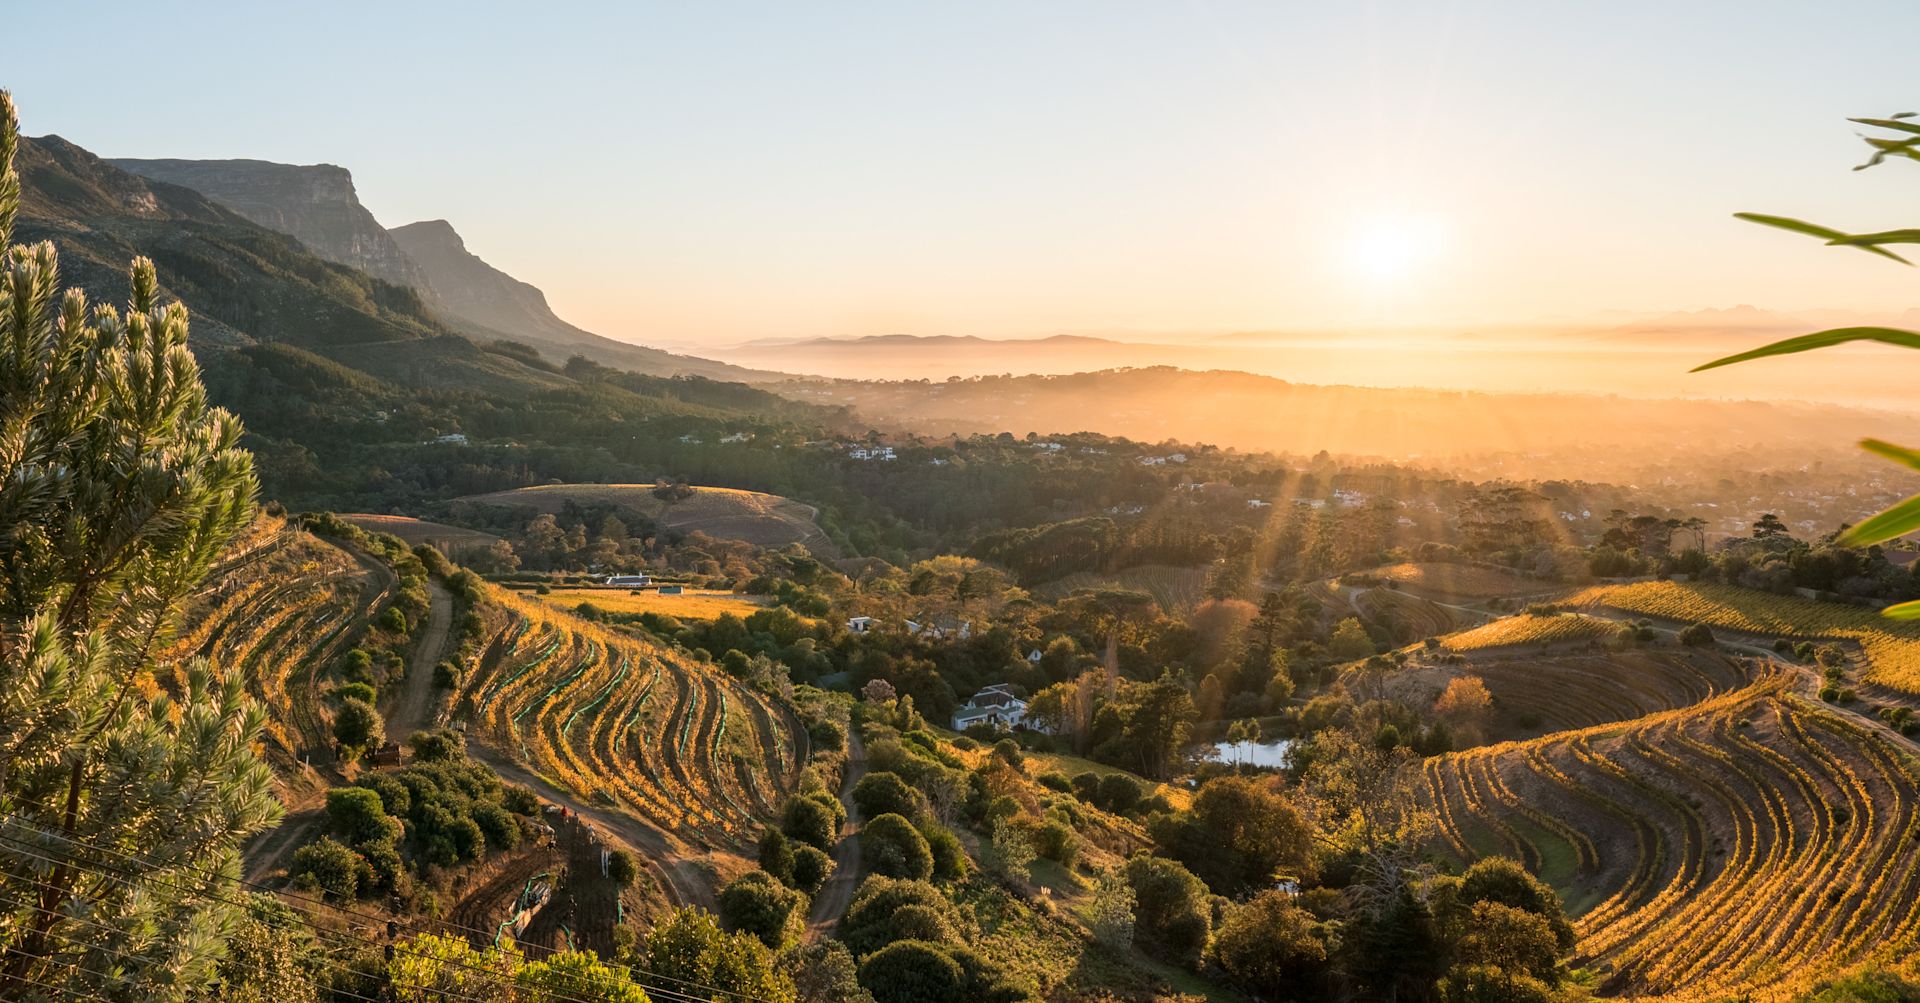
(1034,656)
(860,624)
(452,439)
(629,581)
(996,706)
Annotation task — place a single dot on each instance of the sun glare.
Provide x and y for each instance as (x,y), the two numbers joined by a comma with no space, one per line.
(1390,250)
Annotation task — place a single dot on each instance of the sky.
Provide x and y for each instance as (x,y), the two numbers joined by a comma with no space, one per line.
(714,173)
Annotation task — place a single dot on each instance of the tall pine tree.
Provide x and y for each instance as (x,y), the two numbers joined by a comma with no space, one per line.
(126,785)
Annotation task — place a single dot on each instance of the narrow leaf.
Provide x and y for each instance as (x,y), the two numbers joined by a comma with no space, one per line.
(1909,236)
(1825,233)
(1903,611)
(1821,339)
(1899,520)
(1898,454)
(1889,123)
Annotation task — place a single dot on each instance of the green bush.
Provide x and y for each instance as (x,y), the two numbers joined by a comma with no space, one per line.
(890,845)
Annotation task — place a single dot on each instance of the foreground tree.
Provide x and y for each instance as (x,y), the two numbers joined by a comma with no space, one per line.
(126,785)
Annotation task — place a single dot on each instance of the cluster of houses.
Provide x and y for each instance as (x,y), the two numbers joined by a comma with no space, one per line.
(932,629)
(871,453)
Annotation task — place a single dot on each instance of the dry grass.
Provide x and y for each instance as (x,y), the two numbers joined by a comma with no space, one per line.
(693,604)
(419,531)
(1459,582)
(1174,587)
(728,513)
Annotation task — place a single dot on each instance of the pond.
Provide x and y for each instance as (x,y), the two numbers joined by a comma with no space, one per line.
(1251,753)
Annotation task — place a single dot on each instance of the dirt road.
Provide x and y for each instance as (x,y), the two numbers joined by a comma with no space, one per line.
(415,707)
(837,893)
(685,883)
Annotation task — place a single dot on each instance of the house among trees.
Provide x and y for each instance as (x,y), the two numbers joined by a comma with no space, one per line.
(629,581)
(860,624)
(995,706)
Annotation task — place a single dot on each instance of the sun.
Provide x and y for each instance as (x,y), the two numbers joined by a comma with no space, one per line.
(1390,249)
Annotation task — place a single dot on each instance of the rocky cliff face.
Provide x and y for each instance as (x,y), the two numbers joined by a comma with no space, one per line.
(315,204)
(474,291)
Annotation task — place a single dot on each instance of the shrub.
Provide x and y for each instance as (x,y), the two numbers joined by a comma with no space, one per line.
(809,821)
(949,858)
(909,971)
(868,923)
(890,845)
(1057,842)
(776,854)
(811,868)
(622,868)
(1054,780)
(357,727)
(1173,918)
(885,793)
(759,904)
(356,691)
(328,866)
(1118,794)
(447,674)
(1696,635)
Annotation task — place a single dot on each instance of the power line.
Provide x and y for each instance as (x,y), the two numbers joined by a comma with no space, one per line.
(375,920)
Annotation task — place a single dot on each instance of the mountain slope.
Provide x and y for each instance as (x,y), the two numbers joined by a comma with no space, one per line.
(315,204)
(488,302)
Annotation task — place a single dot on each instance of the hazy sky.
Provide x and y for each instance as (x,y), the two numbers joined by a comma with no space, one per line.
(722,172)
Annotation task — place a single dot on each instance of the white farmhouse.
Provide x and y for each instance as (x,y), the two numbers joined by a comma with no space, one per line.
(995,706)
(860,624)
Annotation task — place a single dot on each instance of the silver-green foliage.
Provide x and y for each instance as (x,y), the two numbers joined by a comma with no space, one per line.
(126,783)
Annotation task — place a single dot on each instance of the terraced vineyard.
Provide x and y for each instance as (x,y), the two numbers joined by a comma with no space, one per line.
(1408,618)
(1582,690)
(1529,628)
(620,721)
(1748,844)
(1892,647)
(276,611)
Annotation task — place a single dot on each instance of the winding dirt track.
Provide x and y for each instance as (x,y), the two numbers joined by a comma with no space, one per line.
(685,884)
(837,893)
(414,709)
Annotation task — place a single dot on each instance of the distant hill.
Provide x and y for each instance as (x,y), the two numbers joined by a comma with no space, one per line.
(749,516)
(318,205)
(937,357)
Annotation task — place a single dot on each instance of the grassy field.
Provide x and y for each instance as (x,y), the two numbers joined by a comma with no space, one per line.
(1174,587)
(1458,583)
(419,531)
(1892,647)
(693,604)
(749,516)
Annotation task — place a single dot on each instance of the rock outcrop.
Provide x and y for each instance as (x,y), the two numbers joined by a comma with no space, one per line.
(315,204)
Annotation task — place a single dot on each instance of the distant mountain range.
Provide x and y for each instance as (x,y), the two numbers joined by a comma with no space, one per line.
(318,206)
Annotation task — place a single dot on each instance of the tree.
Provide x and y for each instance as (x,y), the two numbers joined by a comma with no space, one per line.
(1505,881)
(914,971)
(890,845)
(576,975)
(119,487)
(1510,939)
(357,727)
(271,957)
(776,854)
(1465,706)
(1239,836)
(330,867)
(1172,918)
(1270,946)
(759,904)
(1109,912)
(690,948)
(825,972)
(1145,727)
(1008,851)
(1350,641)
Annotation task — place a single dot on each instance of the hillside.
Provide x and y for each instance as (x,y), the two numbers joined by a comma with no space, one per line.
(749,516)
(318,206)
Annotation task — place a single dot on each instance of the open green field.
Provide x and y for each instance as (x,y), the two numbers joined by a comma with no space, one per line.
(693,604)
(728,513)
